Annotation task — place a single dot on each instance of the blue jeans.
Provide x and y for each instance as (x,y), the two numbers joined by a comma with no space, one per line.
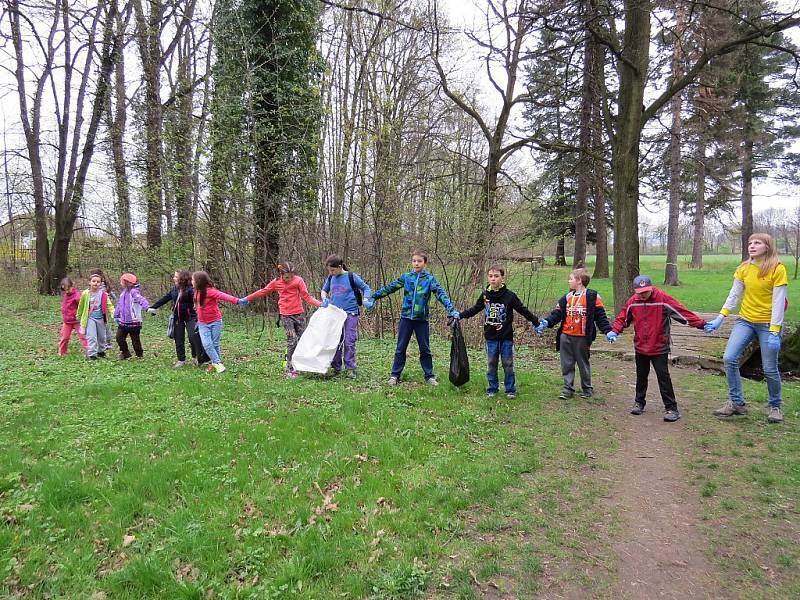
(210,335)
(421,331)
(496,351)
(744,331)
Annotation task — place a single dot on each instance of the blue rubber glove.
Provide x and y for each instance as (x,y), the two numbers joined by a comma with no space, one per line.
(774,342)
(612,337)
(714,324)
(541,326)
(456,315)
(368,303)
(243,301)
(324,303)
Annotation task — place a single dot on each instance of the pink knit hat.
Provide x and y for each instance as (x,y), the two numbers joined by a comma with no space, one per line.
(128,278)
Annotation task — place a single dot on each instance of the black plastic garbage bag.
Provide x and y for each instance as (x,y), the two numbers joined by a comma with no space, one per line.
(459,361)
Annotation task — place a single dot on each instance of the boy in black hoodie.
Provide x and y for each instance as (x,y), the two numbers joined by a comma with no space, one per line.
(498,304)
(580,313)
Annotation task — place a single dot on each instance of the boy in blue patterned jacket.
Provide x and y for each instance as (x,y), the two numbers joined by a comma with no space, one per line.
(417,285)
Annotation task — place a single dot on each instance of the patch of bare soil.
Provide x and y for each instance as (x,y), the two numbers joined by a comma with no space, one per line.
(661,552)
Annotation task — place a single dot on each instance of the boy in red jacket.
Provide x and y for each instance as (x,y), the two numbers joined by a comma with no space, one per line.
(650,311)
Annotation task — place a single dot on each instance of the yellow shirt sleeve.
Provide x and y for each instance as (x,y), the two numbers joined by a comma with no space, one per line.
(779,276)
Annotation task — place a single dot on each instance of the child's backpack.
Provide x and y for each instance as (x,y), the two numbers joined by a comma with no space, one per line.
(356,290)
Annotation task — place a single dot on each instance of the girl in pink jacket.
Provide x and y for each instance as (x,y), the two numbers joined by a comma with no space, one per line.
(69,309)
(209,317)
(291,291)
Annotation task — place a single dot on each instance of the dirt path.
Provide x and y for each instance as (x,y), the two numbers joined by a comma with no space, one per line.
(660,551)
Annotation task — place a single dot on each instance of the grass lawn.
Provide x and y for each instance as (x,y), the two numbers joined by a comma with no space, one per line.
(703,290)
(747,475)
(134,480)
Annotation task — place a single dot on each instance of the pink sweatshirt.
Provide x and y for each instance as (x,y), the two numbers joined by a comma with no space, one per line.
(209,311)
(289,295)
(69,306)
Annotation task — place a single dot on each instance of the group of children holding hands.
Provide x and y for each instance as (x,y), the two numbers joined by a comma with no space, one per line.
(759,284)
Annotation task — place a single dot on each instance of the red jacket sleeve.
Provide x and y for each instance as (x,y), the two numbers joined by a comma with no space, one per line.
(621,322)
(682,314)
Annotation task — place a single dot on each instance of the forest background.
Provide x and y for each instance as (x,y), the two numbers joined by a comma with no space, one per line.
(229,135)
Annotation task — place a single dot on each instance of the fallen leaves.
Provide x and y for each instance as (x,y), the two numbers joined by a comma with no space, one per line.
(328,506)
(185,571)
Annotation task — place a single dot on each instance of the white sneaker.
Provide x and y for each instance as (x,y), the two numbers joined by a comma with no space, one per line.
(179,364)
(219,367)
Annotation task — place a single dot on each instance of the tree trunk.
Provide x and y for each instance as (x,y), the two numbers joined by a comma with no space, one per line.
(585,160)
(31,125)
(676,103)
(116,132)
(183,150)
(747,189)
(601,267)
(561,258)
(67,211)
(625,147)
(148,30)
(700,202)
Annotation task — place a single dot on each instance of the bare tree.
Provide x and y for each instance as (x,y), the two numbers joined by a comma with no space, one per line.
(74,145)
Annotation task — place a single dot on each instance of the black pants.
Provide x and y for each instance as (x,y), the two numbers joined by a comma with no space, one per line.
(123,331)
(661,365)
(181,331)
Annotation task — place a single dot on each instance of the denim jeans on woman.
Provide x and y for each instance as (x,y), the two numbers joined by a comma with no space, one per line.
(741,335)
(210,334)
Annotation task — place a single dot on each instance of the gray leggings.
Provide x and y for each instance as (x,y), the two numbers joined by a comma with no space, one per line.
(294,325)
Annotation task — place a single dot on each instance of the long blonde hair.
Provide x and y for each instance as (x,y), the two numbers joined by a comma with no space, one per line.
(770,258)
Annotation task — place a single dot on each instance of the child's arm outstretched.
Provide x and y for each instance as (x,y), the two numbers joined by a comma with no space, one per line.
(161,301)
(306,296)
(389,288)
(623,319)
(266,290)
(555,316)
(136,296)
(474,309)
(366,292)
(681,314)
(442,297)
(518,306)
(600,317)
(220,295)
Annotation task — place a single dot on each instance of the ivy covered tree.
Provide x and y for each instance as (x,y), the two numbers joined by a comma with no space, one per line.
(266,121)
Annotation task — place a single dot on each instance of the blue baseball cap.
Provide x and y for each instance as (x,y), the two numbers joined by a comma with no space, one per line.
(642,284)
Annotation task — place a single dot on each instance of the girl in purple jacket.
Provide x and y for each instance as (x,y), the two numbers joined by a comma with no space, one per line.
(128,315)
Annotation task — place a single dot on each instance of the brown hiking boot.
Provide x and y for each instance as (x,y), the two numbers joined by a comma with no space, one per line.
(731,409)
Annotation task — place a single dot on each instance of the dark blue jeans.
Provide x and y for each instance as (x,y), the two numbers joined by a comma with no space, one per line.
(421,331)
(496,351)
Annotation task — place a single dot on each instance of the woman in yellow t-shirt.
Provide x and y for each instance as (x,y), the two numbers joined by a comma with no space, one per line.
(760,284)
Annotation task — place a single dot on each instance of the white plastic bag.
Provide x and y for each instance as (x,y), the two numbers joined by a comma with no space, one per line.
(317,345)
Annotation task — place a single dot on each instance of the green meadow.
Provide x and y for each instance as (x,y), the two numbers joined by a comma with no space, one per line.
(134,480)
(702,290)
